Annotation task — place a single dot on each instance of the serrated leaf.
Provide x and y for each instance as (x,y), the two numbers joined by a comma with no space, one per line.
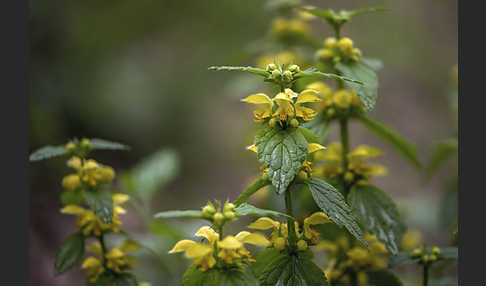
(47,152)
(179,214)
(253,70)
(234,276)
(357,12)
(383,278)
(404,148)
(101,202)
(374,64)
(69,254)
(401,259)
(247,209)
(72,198)
(318,126)
(97,143)
(283,151)
(309,135)
(378,214)
(154,172)
(275,268)
(313,72)
(122,279)
(368,91)
(442,151)
(332,203)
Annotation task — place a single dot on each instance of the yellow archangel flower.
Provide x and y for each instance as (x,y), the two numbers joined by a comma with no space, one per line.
(315,219)
(324,92)
(375,258)
(90,224)
(283,58)
(289,104)
(116,259)
(89,171)
(411,239)
(230,247)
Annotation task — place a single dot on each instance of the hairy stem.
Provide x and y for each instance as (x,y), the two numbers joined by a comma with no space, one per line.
(343,124)
(253,188)
(290,219)
(101,238)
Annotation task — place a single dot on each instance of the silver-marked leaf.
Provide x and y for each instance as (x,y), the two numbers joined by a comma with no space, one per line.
(283,151)
(47,152)
(313,72)
(368,91)
(179,214)
(247,209)
(332,203)
(69,254)
(374,64)
(97,143)
(253,70)
(378,214)
(404,148)
(101,202)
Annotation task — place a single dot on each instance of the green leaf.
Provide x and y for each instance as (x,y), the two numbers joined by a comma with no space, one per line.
(332,203)
(69,254)
(442,151)
(378,214)
(179,214)
(405,148)
(366,92)
(383,278)
(313,72)
(247,209)
(401,259)
(96,143)
(72,198)
(374,64)
(278,268)
(449,253)
(47,152)
(283,151)
(108,279)
(101,202)
(318,126)
(154,172)
(234,276)
(309,135)
(253,70)
(350,14)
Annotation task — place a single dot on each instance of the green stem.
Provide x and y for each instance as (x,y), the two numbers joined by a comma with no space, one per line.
(290,219)
(101,238)
(343,123)
(253,188)
(426,275)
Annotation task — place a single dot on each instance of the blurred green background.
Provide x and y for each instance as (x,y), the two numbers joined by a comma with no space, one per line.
(136,72)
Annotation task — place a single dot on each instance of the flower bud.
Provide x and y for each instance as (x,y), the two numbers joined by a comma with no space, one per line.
(228,207)
(71,182)
(435,250)
(271,67)
(90,164)
(425,258)
(294,68)
(294,123)
(432,258)
(301,245)
(349,177)
(345,45)
(330,42)
(218,218)
(336,59)
(208,209)
(287,75)
(85,143)
(229,215)
(107,174)
(70,146)
(416,252)
(276,73)
(324,54)
(279,243)
(331,112)
(75,163)
(303,176)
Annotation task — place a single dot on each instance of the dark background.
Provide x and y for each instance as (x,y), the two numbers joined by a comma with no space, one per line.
(136,72)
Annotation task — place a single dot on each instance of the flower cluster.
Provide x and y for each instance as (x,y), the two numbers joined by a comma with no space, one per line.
(342,103)
(358,171)
(287,108)
(89,174)
(217,216)
(336,51)
(357,260)
(90,224)
(289,31)
(283,58)
(279,235)
(424,255)
(218,251)
(115,259)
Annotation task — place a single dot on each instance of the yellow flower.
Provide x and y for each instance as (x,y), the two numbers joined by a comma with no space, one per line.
(261,99)
(313,147)
(315,219)
(330,42)
(144,284)
(90,224)
(345,45)
(71,182)
(75,163)
(232,246)
(306,96)
(411,239)
(285,106)
(93,267)
(343,98)
(325,93)
(294,28)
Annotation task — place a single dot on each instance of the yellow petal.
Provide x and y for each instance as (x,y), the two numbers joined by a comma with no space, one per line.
(258,98)
(364,151)
(208,233)
(252,148)
(281,96)
(264,223)
(230,242)
(73,209)
(198,250)
(305,112)
(114,253)
(182,245)
(313,147)
(261,114)
(120,198)
(317,218)
(255,239)
(378,170)
(308,95)
(129,245)
(95,248)
(290,93)
(91,262)
(242,235)
(324,90)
